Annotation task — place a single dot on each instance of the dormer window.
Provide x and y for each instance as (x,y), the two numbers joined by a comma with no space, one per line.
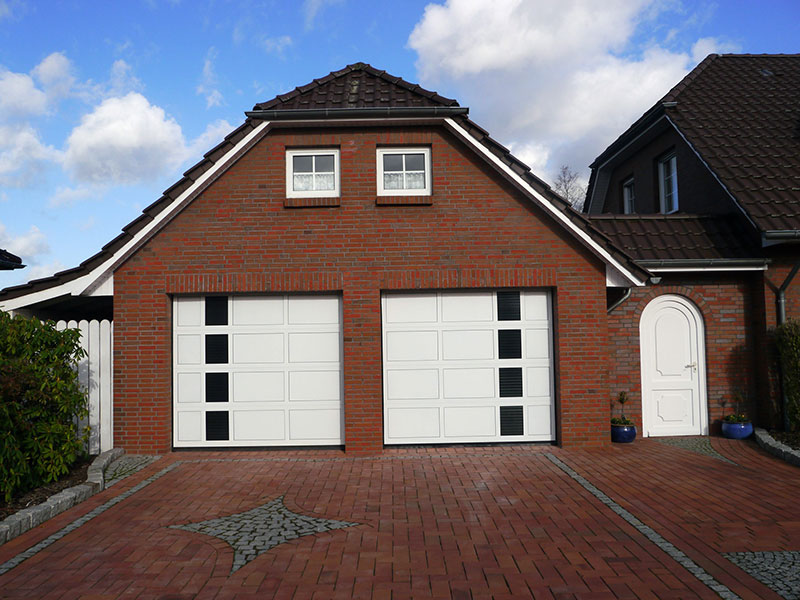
(312,173)
(404,171)
(628,197)
(668,184)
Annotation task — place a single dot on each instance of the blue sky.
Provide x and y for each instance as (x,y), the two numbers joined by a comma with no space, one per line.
(104,104)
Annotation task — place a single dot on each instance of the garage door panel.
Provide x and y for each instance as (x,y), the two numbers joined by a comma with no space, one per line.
(469,383)
(412,384)
(243,364)
(314,385)
(468,307)
(469,422)
(313,347)
(412,345)
(411,308)
(313,310)
(190,349)
(257,348)
(468,345)
(258,386)
(408,424)
(489,375)
(258,425)
(190,387)
(310,425)
(250,310)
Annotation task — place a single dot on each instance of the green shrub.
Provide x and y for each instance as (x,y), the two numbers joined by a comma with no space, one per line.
(787,337)
(41,401)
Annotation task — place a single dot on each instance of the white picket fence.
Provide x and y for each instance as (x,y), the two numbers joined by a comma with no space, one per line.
(96,372)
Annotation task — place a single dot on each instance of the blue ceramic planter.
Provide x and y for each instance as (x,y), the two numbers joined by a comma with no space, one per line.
(737,431)
(623,434)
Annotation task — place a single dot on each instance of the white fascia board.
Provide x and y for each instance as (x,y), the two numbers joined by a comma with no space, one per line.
(629,277)
(704,269)
(99,281)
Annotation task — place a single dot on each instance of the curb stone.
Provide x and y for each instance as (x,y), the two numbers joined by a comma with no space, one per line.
(776,448)
(33,516)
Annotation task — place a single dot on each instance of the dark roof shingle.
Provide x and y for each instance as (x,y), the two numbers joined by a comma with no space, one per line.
(741,113)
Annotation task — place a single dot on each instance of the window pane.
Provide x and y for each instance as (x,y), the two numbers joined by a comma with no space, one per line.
(393,181)
(323,181)
(302,164)
(415,162)
(303,183)
(392,162)
(324,164)
(415,181)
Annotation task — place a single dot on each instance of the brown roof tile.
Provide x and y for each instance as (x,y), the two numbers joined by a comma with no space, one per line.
(742,114)
(679,237)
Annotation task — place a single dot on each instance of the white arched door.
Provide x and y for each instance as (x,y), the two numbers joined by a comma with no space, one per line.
(672,346)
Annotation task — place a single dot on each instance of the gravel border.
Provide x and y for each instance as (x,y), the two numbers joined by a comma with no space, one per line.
(33,516)
(779,449)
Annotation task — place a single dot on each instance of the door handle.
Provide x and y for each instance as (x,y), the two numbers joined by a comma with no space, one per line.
(692,366)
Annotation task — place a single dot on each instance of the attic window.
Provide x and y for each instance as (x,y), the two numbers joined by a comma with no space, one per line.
(628,197)
(312,173)
(668,184)
(404,171)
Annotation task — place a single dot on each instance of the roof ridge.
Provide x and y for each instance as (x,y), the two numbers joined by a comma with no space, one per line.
(674,92)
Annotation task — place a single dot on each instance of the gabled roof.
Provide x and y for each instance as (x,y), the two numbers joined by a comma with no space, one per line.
(9,261)
(347,93)
(741,114)
(356,86)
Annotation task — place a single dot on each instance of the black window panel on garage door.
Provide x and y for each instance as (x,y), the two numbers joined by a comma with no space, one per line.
(217,425)
(508,306)
(217,310)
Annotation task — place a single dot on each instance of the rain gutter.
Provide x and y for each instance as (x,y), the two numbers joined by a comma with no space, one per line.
(356,113)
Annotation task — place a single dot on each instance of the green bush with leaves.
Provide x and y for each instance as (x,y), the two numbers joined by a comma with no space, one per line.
(787,338)
(41,401)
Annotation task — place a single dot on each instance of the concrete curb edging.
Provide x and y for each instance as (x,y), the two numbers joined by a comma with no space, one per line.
(33,516)
(776,448)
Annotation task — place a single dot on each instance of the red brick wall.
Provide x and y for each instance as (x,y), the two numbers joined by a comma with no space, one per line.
(728,304)
(239,237)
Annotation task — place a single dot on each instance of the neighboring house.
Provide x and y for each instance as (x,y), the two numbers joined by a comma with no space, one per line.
(9,261)
(704,192)
(358,264)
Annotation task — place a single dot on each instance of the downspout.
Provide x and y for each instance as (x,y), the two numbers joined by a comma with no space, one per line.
(781,321)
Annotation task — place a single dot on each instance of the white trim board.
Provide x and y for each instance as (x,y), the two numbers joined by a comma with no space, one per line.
(617,269)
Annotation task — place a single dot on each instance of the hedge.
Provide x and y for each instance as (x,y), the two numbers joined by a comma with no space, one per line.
(41,402)
(787,337)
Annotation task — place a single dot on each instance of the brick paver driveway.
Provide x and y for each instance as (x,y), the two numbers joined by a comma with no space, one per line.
(647,520)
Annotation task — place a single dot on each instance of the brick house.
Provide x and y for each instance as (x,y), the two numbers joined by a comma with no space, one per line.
(704,192)
(359,264)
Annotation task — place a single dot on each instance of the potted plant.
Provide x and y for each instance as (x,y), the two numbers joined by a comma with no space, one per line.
(737,426)
(622,428)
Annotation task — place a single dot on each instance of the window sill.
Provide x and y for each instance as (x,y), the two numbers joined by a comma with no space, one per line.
(311,202)
(404,200)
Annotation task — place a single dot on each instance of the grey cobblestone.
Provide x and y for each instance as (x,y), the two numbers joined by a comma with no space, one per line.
(779,571)
(697,444)
(126,465)
(256,531)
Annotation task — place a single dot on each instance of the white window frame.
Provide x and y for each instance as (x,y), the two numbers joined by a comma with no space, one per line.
(426,152)
(292,193)
(628,196)
(668,168)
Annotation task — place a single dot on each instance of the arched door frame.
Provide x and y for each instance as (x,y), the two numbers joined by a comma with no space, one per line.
(690,310)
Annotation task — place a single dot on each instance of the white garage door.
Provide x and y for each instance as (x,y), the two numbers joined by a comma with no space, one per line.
(467,367)
(257,371)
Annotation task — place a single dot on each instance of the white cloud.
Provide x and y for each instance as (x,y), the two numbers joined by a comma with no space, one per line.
(212,136)
(23,156)
(122,79)
(55,75)
(554,79)
(311,9)
(709,45)
(276,45)
(67,196)
(39,271)
(124,140)
(19,96)
(27,245)
(208,83)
